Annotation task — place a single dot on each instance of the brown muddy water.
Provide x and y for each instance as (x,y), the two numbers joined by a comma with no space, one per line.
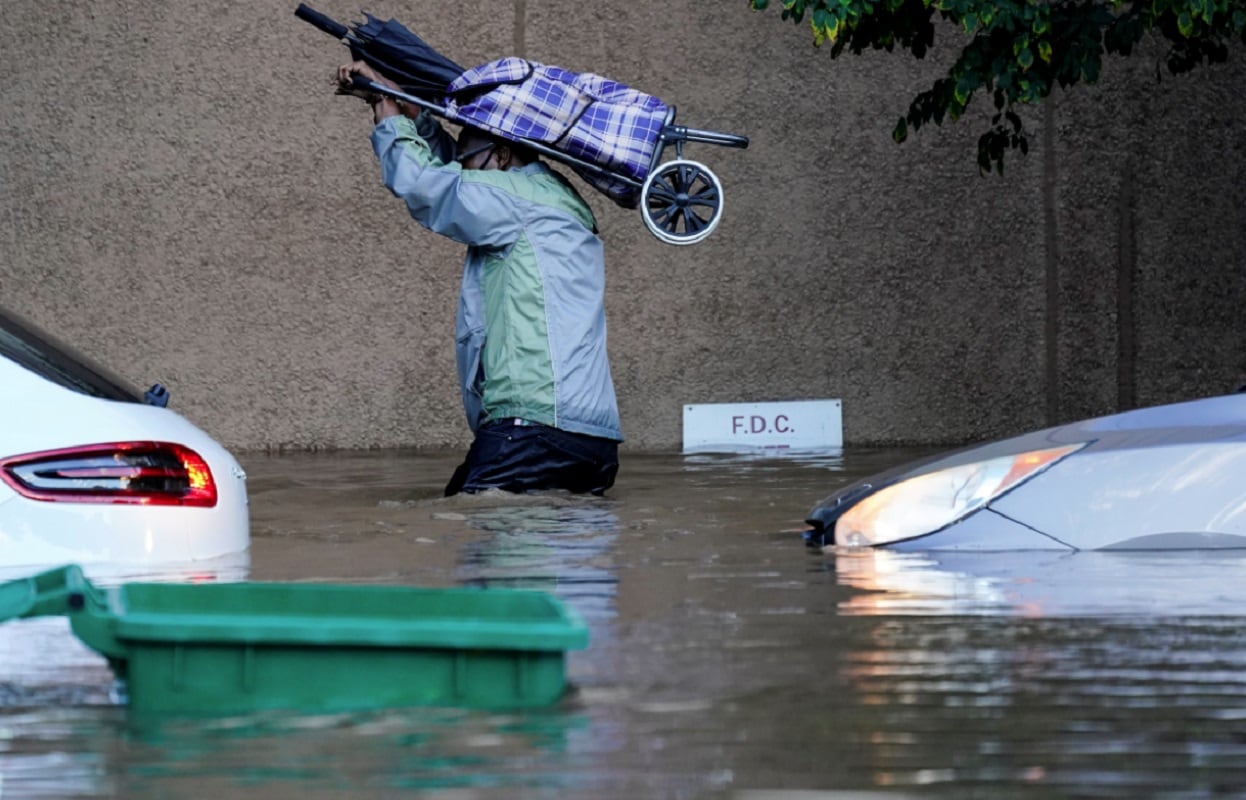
(726,659)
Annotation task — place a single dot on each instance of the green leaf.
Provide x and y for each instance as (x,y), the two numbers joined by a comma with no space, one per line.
(1018,50)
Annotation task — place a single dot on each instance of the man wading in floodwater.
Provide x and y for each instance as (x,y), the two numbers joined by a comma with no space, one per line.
(531,324)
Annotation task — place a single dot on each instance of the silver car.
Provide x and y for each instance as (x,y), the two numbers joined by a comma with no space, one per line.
(1161,478)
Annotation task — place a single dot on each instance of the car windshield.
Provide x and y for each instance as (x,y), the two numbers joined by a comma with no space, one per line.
(24,343)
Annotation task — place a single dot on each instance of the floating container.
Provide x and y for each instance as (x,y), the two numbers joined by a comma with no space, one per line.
(239,647)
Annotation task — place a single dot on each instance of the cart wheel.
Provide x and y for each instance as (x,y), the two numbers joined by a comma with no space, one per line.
(681,201)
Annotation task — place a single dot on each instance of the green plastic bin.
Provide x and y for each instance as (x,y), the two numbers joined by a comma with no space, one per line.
(228,648)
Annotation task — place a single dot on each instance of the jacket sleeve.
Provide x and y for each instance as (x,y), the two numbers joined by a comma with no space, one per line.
(470,206)
(440,144)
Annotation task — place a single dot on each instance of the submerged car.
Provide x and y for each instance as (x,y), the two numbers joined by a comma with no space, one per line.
(1160,478)
(95,472)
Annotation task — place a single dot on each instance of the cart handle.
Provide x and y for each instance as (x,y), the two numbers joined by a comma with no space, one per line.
(679,133)
(330,26)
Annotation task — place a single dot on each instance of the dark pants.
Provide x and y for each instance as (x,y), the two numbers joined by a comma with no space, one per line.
(522,458)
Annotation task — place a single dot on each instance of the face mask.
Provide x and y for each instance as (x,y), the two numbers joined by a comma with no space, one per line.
(470,154)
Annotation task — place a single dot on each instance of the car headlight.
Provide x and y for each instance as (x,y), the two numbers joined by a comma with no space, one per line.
(926,503)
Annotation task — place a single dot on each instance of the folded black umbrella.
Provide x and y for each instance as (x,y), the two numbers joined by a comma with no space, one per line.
(392,50)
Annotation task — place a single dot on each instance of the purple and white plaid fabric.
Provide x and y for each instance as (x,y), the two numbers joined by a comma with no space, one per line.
(583,115)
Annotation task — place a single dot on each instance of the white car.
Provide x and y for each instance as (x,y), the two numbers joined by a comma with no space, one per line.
(1162,478)
(94,472)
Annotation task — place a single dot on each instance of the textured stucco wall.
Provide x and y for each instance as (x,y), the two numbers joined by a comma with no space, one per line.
(185,199)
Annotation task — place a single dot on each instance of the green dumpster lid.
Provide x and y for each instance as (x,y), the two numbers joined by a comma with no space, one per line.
(51,592)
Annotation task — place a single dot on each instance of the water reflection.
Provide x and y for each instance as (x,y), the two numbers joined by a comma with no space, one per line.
(280,754)
(563,549)
(1048,706)
(426,749)
(1043,584)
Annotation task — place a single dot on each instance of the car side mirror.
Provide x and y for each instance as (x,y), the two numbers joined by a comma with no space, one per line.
(157,396)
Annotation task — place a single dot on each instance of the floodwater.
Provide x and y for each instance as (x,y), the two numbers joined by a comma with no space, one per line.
(726,660)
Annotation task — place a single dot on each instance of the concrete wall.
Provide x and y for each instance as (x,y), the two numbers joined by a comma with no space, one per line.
(184,198)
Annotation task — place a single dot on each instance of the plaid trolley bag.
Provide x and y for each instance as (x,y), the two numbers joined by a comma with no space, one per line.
(612,136)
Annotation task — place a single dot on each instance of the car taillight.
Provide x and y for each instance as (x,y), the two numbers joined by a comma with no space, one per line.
(145,473)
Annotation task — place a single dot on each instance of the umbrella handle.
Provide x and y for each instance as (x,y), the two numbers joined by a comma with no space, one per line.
(330,26)
(367,87)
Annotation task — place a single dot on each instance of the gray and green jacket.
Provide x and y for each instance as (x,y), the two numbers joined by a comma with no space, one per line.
(531,324)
